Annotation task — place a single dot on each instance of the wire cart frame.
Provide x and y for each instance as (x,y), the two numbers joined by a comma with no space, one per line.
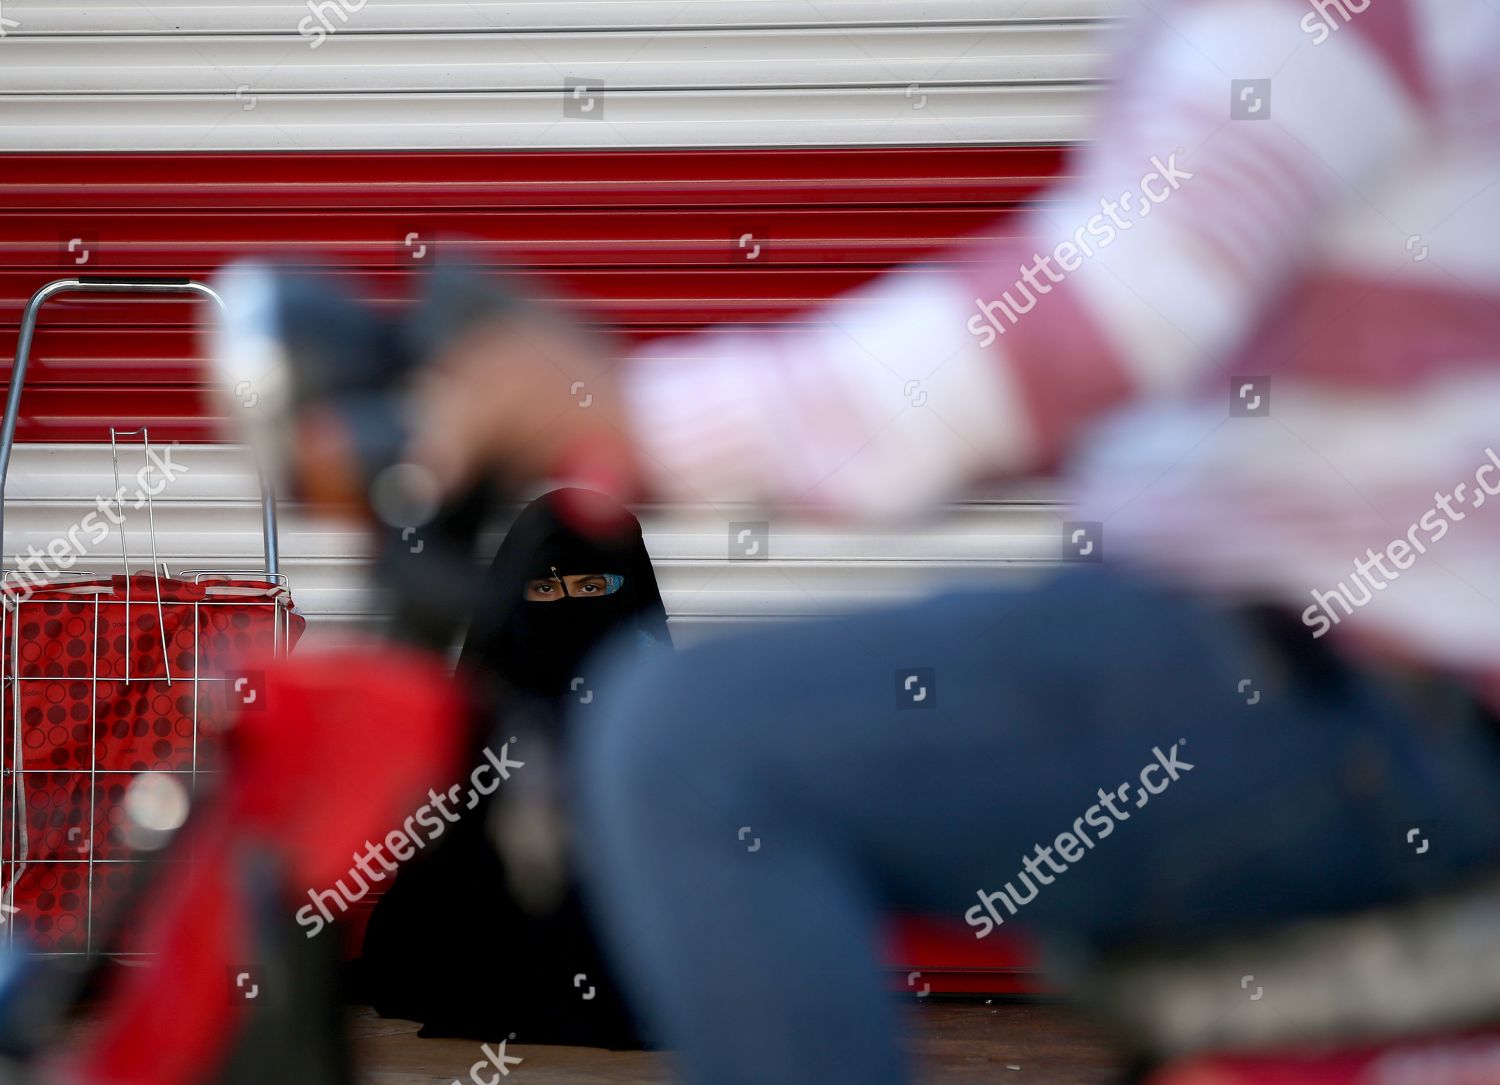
(111,681)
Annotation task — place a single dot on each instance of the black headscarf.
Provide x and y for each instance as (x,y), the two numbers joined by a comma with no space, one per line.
(539,647)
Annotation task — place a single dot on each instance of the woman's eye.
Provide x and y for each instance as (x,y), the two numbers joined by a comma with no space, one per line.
(589,589)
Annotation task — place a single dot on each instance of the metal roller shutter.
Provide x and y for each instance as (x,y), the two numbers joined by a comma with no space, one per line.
(840,138)
(767,119)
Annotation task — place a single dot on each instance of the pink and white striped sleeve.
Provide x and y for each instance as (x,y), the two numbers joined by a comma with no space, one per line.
(1167,249)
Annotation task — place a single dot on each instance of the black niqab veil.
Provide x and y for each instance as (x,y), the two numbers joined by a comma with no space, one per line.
(450,944)
(538,647)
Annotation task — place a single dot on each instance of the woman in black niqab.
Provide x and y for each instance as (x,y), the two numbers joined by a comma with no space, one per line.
(540,643)
(485,934)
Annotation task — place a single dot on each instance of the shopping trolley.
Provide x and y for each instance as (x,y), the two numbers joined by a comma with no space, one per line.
(114,688)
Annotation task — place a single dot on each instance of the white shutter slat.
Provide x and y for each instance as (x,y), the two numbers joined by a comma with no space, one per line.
(631,119)
(417,63)
(210,519)
(282,16)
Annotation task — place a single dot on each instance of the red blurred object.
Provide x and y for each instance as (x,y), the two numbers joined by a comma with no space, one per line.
(345,746)
(96,698)
(948,960)
(1469,1058)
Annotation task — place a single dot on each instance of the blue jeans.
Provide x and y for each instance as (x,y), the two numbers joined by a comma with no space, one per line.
(752,809)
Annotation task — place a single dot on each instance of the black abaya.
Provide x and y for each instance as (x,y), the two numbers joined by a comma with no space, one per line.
(453,944)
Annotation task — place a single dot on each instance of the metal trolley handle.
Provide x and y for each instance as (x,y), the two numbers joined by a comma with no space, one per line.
(17,862)
(23,354)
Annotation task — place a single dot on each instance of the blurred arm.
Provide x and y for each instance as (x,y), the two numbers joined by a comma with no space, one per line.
(1136,279)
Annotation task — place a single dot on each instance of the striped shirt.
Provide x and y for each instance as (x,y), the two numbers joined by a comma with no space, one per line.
(1257,327)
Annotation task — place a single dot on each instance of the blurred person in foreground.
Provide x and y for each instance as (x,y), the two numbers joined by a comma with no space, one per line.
(1277,412)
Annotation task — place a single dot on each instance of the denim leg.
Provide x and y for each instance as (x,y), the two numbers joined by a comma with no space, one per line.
(750,809)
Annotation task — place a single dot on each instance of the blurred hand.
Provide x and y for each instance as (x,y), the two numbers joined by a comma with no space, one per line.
(522,399)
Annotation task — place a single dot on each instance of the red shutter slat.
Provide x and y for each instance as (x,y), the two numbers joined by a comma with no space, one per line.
(647,241)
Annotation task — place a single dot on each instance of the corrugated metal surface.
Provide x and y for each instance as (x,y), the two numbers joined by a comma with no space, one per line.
(648,241)
(209,518)
(264,76)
